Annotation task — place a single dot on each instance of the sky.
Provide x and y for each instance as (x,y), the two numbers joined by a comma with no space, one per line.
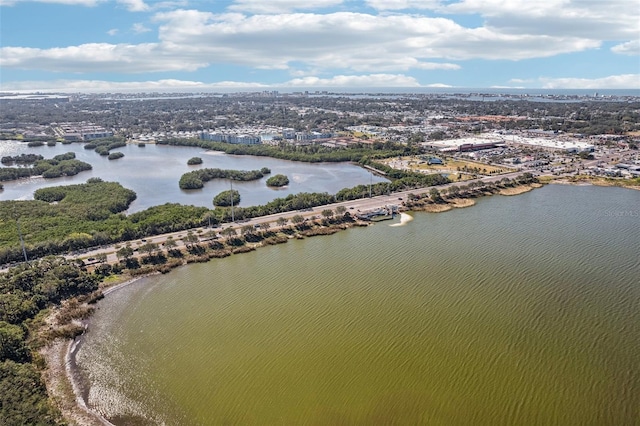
(221,45)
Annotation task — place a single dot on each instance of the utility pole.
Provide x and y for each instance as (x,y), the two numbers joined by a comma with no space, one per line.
(24,251)
(232,219)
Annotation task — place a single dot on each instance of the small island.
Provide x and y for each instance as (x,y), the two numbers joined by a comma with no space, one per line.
(227,198)
(115,155)
(278,181)
(194,161)
(197,178)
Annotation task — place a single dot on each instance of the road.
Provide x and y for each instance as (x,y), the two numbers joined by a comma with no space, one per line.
(353,206)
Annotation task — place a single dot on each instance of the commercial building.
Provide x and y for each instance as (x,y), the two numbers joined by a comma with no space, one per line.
(241,139)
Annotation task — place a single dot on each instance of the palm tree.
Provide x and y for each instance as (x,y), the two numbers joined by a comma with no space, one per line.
(327,213)
(170,242)
(125,252)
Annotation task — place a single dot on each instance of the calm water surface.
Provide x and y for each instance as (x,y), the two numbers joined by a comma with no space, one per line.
(519,311)
(154,171)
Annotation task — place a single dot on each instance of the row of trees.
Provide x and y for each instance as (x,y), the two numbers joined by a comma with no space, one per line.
(21,159)
(305,153)
(474,189)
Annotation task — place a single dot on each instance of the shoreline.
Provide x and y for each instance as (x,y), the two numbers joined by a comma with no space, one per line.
(61,375)
(586,180)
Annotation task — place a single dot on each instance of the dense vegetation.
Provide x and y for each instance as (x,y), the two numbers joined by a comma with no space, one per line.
(60,165)
(23,396)
(168,217)
(104,145)
(278,180)
(25,291)
(196,178)
(306,153)
(194,161)
(65,218)
(21,159)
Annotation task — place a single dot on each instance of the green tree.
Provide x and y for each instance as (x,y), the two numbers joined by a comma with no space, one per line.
(23,396)
(224,199)
(327,213)
(190,238)
(297,219)
(125,252)
(435,195)
(12,343)
(228,232)
(170,243)
(148,248)
(278,180)
(282,221)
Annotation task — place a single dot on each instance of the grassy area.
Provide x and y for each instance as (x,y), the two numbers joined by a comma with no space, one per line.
(450,166)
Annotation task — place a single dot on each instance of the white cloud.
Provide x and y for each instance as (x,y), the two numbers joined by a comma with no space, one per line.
(134,5)
(130,5)
(95,57)
(280,6)
(520,80)
(101,86)
(89,3)
(112,31)
(402,4)
(371,80)
(629,48)
(624,81)
(139,28)
(593,19)
(168,85)
(342,42)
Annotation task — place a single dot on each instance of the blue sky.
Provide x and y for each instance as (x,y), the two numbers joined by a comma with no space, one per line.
(210,45)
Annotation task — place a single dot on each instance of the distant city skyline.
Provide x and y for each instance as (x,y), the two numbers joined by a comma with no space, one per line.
(223,45)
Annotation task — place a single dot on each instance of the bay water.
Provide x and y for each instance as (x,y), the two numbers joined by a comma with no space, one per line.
(520,310)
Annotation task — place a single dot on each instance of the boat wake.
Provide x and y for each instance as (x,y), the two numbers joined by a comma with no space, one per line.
(404,218)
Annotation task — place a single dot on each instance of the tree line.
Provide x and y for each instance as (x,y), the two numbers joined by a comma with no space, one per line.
(304,153)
